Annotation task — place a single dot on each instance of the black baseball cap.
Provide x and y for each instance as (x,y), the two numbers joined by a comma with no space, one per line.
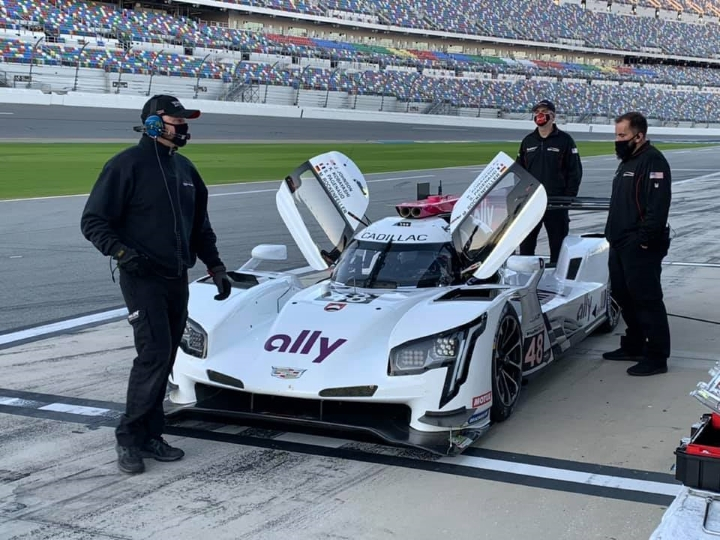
(544,103)
(169,105)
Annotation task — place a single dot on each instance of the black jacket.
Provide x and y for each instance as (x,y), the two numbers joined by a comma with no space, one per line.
(553,161)
(640,200)
(153,200)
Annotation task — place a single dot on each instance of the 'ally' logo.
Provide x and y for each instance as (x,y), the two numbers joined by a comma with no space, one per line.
(303,344)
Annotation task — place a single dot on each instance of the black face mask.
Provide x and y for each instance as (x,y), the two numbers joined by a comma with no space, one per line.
(181,136)
(624,149)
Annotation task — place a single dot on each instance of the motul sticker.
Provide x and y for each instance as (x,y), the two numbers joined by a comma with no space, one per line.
(479,401)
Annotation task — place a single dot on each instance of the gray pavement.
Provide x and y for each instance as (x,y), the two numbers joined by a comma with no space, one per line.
(587,454)
(51,272)
(59,123)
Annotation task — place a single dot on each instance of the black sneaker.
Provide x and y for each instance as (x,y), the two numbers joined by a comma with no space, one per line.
(621,354)
(129,459)
(160,450)
(647,367)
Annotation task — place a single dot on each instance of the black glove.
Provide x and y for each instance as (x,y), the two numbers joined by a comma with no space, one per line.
(131,261)
(222,281)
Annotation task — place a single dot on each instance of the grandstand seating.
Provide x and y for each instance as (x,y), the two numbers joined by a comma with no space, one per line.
(69,20)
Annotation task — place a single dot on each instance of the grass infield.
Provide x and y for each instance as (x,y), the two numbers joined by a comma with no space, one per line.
(40,170)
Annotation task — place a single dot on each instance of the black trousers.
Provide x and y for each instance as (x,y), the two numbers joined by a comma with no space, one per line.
(636,287)
(557,225)
(157,310)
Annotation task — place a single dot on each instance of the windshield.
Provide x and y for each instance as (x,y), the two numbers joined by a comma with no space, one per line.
(388,265)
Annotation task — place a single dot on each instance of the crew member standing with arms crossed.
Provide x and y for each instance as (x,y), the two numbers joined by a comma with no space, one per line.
(552,157)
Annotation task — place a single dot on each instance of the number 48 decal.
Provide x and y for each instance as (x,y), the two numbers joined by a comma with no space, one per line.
(535,350)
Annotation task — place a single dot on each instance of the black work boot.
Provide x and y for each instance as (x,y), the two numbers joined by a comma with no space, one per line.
(622,354)
(648,367)
(160,450)
(129,459)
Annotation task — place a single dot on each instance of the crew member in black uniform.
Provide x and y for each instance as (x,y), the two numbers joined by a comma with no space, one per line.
(552,157)
(148,211)
(639,238)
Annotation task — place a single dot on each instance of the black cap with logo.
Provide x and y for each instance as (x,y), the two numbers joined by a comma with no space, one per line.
(163,104)
(549,105)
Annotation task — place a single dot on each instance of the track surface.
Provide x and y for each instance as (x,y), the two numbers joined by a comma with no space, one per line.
(19,122)
(587,454)
(51,272)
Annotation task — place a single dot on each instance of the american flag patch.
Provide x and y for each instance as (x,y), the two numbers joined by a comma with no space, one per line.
(656,176)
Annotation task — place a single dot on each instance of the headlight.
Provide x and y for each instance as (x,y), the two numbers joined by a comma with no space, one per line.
(194,340)
(439,350)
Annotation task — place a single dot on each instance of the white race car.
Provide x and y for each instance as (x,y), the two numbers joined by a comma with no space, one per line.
(421,327)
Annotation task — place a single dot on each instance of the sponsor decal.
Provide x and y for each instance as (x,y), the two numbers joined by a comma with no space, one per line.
(385,237)
(586,309)
(306,342)
(286,372)
(553,149)
(334,306)
(532,149)
(574,151)
(403,224)
(478,416)
(481,400)
(629,173)
(134,315)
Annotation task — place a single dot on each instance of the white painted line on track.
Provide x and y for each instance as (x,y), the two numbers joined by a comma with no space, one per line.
(514,467)
(64,326)
(76,409)
(696,178)
(61,326)
(225,194)
(551,473)
(315,440)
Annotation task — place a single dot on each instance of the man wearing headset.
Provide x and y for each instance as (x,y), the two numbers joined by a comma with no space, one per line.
(639,238)
(148,211)
(551,156)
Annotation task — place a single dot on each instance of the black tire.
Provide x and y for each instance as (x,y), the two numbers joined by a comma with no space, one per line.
(612,310)
(507,359)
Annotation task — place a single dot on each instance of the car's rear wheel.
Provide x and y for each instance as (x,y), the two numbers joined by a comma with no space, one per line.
(506,365)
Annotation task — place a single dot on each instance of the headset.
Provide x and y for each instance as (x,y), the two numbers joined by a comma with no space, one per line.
(153,125)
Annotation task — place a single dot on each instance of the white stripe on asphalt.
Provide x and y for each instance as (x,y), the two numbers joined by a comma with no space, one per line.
(275,189)
(552,473)
(61,326)
(76,409)
(315,440)
(69,324)
(18,402)
(510,467)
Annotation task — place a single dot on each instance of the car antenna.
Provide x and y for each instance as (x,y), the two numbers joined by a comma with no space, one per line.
(440,188)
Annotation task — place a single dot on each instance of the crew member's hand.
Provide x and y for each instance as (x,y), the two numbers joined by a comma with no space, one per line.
(222,282)
(130,261)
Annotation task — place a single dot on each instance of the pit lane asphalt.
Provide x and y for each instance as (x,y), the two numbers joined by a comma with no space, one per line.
(50,272)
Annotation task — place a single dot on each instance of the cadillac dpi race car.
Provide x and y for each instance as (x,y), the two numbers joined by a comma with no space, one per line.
(420,331)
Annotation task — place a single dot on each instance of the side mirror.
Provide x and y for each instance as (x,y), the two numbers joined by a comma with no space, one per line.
(269,252)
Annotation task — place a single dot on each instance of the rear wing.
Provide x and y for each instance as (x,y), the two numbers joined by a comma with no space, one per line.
(578,203)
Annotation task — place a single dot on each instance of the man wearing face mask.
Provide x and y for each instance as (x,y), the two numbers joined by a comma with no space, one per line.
(148,211)
(639,238)
(551,156)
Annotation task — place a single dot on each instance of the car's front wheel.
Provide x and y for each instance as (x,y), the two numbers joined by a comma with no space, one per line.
(506,365)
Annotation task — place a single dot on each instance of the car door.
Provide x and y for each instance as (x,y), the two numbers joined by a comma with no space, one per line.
(322,203)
